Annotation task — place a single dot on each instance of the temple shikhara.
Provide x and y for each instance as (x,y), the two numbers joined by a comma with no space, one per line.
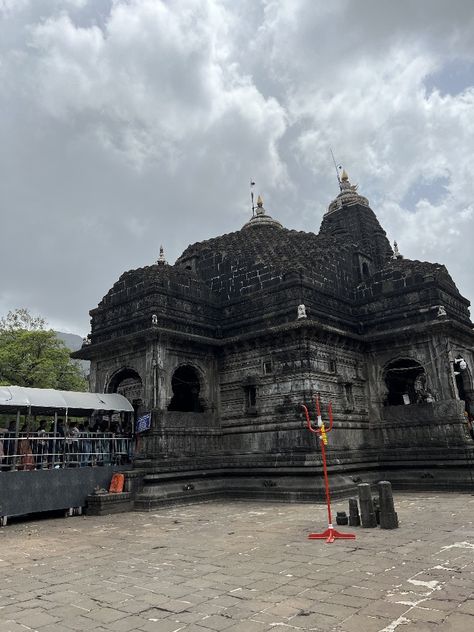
(223,347)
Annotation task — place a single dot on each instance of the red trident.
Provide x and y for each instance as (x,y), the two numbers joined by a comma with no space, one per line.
(330,534)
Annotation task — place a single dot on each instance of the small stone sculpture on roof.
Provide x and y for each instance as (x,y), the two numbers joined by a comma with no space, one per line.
(301,312)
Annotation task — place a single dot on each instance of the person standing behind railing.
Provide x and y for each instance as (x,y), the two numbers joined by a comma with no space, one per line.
(114,443)
(3,434)
(50,446)
(80,445)
(72,442)
(41,445)
(86,445)
(94,430)
(103,456)
(27,460)
(9,444)
(59,456)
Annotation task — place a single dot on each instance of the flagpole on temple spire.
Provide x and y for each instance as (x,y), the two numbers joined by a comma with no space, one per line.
(336,168)
(252,184)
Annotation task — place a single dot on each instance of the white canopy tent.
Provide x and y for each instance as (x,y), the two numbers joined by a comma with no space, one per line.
(57,471)
(33,401)
(42,399)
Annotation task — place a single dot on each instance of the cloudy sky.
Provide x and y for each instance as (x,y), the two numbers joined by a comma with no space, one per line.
(130,123)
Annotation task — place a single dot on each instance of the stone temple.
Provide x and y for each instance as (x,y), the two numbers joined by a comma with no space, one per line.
(224,346)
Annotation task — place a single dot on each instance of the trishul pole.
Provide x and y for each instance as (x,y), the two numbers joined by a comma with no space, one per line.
(330,534)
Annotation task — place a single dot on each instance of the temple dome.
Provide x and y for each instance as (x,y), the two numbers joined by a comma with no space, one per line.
(348,195)
(261,218)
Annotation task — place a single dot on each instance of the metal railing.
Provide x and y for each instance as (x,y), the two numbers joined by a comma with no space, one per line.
(38,451)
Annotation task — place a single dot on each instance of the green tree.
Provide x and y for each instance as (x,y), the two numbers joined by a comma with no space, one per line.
(31,355)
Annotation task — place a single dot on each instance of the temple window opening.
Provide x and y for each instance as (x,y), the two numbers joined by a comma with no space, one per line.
(186,388)
(402,378)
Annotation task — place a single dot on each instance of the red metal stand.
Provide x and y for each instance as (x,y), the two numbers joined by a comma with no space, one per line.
(330,534)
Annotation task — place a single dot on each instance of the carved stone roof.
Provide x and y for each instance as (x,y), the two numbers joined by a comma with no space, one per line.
(159,275)
(249,260)
(345,276)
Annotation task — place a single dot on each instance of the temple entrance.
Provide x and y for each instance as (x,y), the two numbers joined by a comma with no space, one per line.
(406,383)
(128,383)
(186,388)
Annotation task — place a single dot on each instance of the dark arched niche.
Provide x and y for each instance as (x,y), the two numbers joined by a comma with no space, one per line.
(126,382)
(404,377)
(186,387)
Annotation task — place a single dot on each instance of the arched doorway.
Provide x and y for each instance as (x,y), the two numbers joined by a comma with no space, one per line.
(127,382)
(406,383)
(186,387)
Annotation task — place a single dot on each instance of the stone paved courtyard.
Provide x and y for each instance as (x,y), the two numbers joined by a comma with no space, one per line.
(241,567)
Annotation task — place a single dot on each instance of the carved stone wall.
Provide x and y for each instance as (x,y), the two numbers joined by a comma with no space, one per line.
(287,371)
(227,311)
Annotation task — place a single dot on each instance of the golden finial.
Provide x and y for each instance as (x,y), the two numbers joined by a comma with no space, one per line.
(344,176)
(260,201)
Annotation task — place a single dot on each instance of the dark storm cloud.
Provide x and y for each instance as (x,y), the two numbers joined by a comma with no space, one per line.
(126,124)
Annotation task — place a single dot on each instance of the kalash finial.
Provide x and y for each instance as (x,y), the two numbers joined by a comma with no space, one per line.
(396,252)
(260,216)
(348,195)
(161,259)
(344,183)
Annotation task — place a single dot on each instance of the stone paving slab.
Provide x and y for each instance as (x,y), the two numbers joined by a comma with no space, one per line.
(241,567)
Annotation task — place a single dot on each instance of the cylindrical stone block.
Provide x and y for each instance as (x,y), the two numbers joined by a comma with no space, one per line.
(375,502)
(388,515)
(367,513)
(354,518)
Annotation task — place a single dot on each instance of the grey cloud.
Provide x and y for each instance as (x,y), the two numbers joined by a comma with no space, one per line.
(126,124)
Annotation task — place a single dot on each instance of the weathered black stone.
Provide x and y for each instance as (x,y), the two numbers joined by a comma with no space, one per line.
(341,518)
(227,309)
(367,513)
(388,515)
(109,504)
(354,517)
(375,502)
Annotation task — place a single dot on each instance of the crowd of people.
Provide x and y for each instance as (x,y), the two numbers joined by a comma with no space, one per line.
(74,444)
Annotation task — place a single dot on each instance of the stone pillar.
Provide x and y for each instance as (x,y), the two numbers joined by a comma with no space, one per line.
(388,515)
(93,377)
(354,518)
(367,513)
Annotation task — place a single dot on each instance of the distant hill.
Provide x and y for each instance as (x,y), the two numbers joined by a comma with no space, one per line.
(74,342)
